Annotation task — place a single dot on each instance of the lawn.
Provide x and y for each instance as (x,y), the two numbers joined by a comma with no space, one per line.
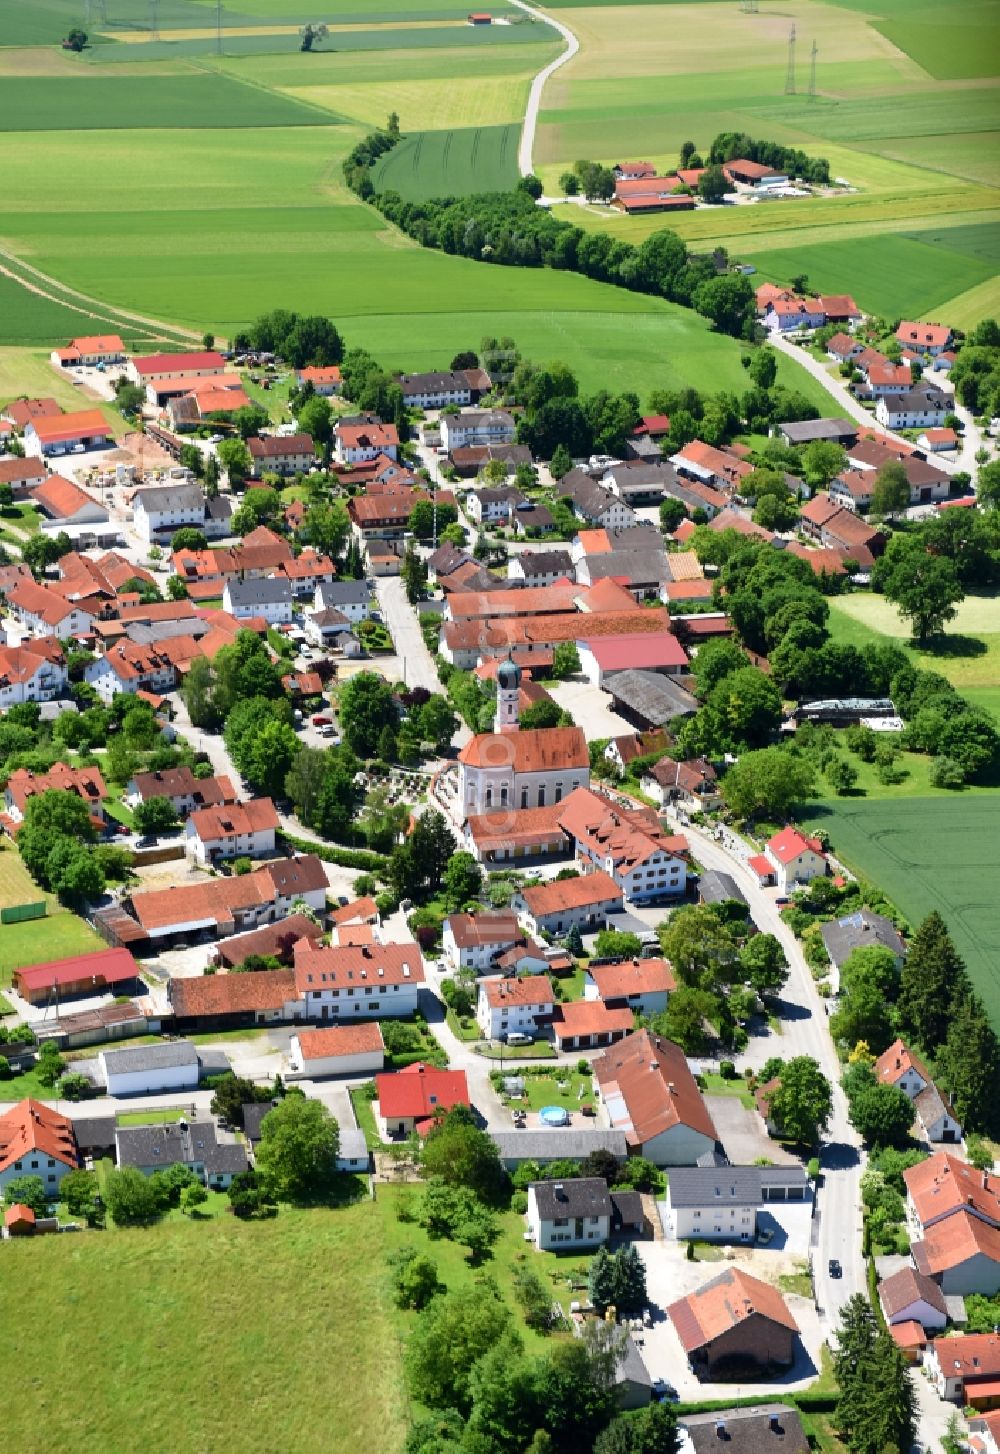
(927,858)
(551,1090)
(149,1118)
(35,941)
(968,653)
(211,1304)
(451,163)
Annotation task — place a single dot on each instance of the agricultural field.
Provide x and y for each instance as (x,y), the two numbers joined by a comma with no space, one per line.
(906,109)
(451,163)
(925,858)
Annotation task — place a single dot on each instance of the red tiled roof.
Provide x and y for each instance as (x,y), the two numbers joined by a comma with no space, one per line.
(652,1077)
(335,1040)
(570,893)
(471,930)
(590,1017)
(343,966)
(618,653)
(22,411)
(18,1212)
(230,820)
(272,446)
(790,843)
(364,910)
(524,827)
(908,1335)
(633,977)
(529,989)
(163,363)
(956,1240)
(421,1091)
(969,1355)
(330,375)
(893,1064)
(627,836)
(722,1304)
(944,1184)
(31,1126)
(923,335)
(535,749)
(60,498)
(232,994)
(107,966)
(85,423)
(378,436)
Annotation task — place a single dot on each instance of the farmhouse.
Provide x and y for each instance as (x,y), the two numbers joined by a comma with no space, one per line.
(325,381)
(929,339)
(540,567)
(67,433)
(281,454)
(647,1090)
(83,974)
(225,906)
(753,175)
(434,391)
(36,1141)
(337,1050)
(733,1324)
(595,504)
(231,1001)
(582,903)
(919,408)
(604,656)
(33,672)
(355,443)
(193,1143)
(350,981)
(145,1069)
(573,1213)
(159,510)
(785,315)
(412,1099)
(839,431)
(726,1203)
(278,940)
(89,351)
(158,366)
(628,844)
(966,1369)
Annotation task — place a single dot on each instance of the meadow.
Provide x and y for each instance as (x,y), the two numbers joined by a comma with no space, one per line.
(35,941)
(925,858)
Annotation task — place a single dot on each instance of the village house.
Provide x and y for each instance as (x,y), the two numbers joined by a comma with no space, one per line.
(36,1141)
(571,1213)
(44,612)
(767,1429)
(535,568)
(508,1004)
(149,1069)
(966,1369)
(920,408)
(348,981)
(907,1296)
(900,1067)
(595,503)
(525,834)
(582,903)
(928,339)
(602,657)
(641,986)
(495,505)
(234,1001)
(65,504)
(159,510)
(269,598)
(435,390)
(985,1431)
(281,454)
(860,930)
(351,598)
(67,433)
(589,1024)
(355,443)
(624,750)
(412,1099)
(693,783)
(723,469)
(224,906)
(325,381)
(307,571)
(33,672)
(337,1050)
(104,971)
(729,1203)
(234,830)
(735,1325)
(476,427)
(184,791)
(89,351)
(843,347)
(474,941)
(953,1212)
(192,1143)
(22,474)
(385,517)
(883,379)
(833,525)
(86,782)
(790,859)
(785,315)
(128,667)
(939,441)
(627,844)
(647,1090)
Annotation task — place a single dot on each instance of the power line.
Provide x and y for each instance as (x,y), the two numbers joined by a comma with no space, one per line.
(790,73)
(154,19)
(218,27)
(812,72)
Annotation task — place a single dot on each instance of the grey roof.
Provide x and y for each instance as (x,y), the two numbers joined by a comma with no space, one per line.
(932,1106)
(580,1196)
(857,931)
(353,1145)
(253,1114)
(94,1131)
(767,1429)
(641,536)
(218,507)
(501,495)
(260,591)
(447,558)
(716,888)
(641,567)
(183,1142)
(654,698)
(729,1186)
(631,1368)
(476,417)
(433,383)
(554,1145)
(916,401)
(225,1158)
(147,633)
(169,497)
(330,620)
(588,498)
(546,562)
(344,593)
(628,1207)
(805,430)
(150,1057)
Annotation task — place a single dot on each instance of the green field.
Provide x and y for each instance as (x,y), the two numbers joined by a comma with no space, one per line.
(35,941)
(968,653)
(40,103)
(926,858)
(451,163)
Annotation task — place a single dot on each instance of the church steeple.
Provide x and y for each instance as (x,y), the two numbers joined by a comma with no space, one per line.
(508,695)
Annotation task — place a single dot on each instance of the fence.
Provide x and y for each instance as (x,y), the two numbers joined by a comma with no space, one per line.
(17,913)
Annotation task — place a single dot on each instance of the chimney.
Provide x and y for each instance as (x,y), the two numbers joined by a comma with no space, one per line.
(560,1191)
(774,1424)
(986,1181)
(720,1429)
(671,1087)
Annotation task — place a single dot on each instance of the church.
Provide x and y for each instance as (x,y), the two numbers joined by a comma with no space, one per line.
(514,769)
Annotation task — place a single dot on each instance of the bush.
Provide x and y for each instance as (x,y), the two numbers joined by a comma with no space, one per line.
(727,1070)
(519,1202)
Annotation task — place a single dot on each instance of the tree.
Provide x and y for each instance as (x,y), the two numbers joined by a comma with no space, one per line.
(988,485)
(745,707)
(76,40)
(246,1196)
(629,1281)
(561,462)
(417,866)
(776,512)
(969,1065)
(841,775)
(312,35)
(574,942)
(364,706)
(157,815)
(768,783)
(699,946)
(802,1102)
(601,1279)
(414,575)
(890,491)
(712,185)
(715,660)
(39,553)
(78,1190)
(685,1018)
(50,1065)
(617,944)
(452,1334)
(863,1014)
(129,1198)
(235,458)
(296,1158)
(576,1387)
(29,1191)
(315,417)
(415,1280)
(876,1407)
(728,301)
(672,512)
(193,1197)
(925,587)
(249,419)
(882,1114)
(652,1431)
(565,660)
(260,505)
(458,1153)
(268,757)
(763,961)
(822,460)
(933,979)
(436,722)
(764,367)
(463,880)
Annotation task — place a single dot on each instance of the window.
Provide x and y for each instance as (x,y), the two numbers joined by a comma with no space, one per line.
(541,796)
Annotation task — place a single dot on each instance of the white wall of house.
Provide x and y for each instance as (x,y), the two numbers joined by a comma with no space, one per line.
(891,416)
(653,1002)
(363,1001)
(363,1064)
(680,1146)
(497,1020)
(713,1224)
(35,1163)
(561,920)
(565,1231)
(485,789)
(47,682)
(159,522)
(235,845)
(976,1274)
(799,870)
(920,1312)
(149,1082)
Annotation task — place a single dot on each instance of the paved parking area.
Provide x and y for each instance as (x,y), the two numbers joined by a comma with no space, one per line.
(590,709)
(743,1137)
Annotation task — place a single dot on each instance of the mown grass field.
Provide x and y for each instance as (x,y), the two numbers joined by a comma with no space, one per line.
(451,163)
(35,941)
(925,858)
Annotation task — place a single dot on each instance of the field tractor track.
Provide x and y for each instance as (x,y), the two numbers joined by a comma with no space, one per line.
(446,151)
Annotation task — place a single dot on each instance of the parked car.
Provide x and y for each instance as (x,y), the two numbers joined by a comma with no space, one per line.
(517,1037)
(664,1390)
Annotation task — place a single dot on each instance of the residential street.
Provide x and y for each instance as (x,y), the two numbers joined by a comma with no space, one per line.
(415,660)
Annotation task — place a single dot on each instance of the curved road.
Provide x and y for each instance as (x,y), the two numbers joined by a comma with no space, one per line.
(527,142)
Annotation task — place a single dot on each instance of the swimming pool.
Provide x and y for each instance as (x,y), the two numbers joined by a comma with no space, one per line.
(554,1115)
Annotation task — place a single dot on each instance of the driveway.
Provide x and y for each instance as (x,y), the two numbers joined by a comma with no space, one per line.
(590,709)
(742,1133)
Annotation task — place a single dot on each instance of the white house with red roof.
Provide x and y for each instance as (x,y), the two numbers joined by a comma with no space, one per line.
(67,433)
(30,674)
(337,1050)
(325,381)
(355,443)
(409,1100)
(587,1024)
(511,1005)
(643,986)
(175,366)
(347,981)
(231,830)
(929,339)
(794,858)
(475,941)
(650,651)
(36,1141)
(87,352)
(564,904)
(629,845)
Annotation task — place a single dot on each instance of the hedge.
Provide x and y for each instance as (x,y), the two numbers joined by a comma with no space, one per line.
(362,858)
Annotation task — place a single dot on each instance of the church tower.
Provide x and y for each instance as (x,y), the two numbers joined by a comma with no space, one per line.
(508,696)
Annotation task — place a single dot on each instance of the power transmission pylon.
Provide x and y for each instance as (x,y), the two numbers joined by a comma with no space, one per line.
(100,11)
(86,13)
(812,72)
(218,27)
(790,73)
(154,19)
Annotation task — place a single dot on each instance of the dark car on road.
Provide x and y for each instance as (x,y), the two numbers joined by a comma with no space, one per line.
(834,1268)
